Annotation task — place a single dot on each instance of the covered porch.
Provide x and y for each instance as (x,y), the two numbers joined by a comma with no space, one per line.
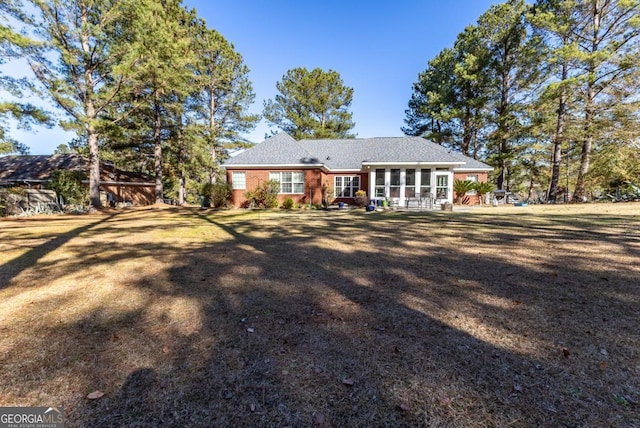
(412,186)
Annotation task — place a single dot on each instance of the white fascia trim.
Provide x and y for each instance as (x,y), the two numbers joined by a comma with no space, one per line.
(413,163)
(282,166)
(473,169)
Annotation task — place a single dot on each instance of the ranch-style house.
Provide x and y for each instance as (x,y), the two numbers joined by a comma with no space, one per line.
(399,171)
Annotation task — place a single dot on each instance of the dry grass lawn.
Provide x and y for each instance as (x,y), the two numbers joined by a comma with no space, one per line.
(524,317)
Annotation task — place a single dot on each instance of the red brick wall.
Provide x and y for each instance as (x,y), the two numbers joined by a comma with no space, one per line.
(364,183)
(482,177)
(253,179)
(313,182)
(256,177)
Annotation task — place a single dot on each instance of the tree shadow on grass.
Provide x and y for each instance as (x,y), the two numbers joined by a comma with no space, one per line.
(331,321)
(299,334)
(13,268)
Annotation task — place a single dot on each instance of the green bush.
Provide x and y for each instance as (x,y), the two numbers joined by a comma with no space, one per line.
(68,184)
(482,188)
(461,188)
(288,204)
(221,194)
(264,196)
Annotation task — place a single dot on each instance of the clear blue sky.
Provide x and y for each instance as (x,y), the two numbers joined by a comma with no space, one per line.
(378,47)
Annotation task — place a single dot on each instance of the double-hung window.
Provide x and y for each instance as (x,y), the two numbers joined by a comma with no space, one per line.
(346,186)
(291,182)
(238,180)
(442,186)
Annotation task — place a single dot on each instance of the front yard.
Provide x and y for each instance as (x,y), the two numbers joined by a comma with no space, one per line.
(185,317)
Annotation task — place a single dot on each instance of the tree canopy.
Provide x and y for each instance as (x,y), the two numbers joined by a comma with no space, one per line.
(311,104)
(13,46)
(539,90)
(144,84)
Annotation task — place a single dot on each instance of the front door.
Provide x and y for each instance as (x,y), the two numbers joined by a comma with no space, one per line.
(442,188)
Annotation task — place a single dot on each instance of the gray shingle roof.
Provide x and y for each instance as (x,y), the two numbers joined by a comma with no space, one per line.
(40,168)
(350,154)
(280,149)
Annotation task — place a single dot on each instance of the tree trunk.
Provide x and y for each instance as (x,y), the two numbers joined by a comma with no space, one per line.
(503,127)
(585,157)
(94,168)
(182,180)
(580,192)
(90,111)
(556,158)
(467,131)
(182,189)
(212,132)
(157,152)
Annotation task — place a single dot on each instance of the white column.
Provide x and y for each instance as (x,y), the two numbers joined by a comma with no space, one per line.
(372,182)
(387,183)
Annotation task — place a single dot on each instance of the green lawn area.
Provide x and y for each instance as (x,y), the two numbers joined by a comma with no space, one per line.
(180,317)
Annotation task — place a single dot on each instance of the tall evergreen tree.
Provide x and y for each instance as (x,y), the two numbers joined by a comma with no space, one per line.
(82,66)
(14,46)
(607,40)
(311,104)
(431,105)
(449,98)
(159,40)
(221,98)
(514,69)
(554,20)
(472,89)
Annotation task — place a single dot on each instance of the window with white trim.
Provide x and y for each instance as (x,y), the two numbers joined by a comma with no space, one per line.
(442,186)
(238,180)
(291,182)
(473,179)
(346,186)
(379,189)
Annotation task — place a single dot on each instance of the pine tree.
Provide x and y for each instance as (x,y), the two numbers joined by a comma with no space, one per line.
(311,104)
(221,99)
(160,43)
(514,69)
(553,19)
(607,41)
(14,46)
(449,98)
(82,64)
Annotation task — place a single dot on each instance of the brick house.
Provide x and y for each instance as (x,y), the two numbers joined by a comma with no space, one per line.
(400,170)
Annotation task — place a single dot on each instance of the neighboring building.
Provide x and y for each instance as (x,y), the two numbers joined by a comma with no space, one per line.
(402,170)
(35,171)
